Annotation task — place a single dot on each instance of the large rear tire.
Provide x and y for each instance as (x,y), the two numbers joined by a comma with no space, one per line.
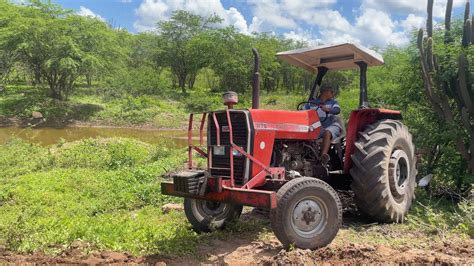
(384,171)
(208,216)
(308,213)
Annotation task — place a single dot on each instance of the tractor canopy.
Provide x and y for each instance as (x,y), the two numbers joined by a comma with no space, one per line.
(332,57)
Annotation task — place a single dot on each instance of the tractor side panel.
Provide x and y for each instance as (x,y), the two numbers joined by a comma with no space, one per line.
(262,149)
(358,121)
(287,124)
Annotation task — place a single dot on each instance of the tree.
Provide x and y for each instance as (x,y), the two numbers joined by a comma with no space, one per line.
(60,46)
(448,80)
(232,60)
(185,49)
(144,50)
(8,39)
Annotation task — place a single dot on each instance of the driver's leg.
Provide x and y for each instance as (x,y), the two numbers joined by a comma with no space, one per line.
(325,148)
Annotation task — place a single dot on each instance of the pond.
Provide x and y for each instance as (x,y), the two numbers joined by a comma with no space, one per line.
(48,136)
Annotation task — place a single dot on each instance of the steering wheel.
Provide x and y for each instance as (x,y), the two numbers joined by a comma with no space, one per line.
(302,104)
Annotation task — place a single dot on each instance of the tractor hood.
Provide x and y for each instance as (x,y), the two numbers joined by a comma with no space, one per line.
(332,56)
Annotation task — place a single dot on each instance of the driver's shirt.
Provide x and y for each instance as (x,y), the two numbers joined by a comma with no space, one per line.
(333,107)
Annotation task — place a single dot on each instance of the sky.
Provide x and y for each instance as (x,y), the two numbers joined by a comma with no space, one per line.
(367,22)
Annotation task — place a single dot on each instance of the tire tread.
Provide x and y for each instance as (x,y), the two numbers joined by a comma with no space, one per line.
(370,171)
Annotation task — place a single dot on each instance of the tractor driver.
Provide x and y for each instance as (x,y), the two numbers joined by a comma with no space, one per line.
(327,108)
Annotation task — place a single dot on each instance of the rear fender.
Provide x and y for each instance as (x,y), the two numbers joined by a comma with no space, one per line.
(358,121)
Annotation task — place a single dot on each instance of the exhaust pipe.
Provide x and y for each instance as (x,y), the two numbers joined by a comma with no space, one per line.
(256,80)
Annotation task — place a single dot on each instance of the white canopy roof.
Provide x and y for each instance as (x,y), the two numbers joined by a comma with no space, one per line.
(333,56)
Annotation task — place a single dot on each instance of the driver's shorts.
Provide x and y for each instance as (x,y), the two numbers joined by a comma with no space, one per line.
(335,130)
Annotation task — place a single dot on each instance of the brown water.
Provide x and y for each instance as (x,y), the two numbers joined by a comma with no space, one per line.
(48,136)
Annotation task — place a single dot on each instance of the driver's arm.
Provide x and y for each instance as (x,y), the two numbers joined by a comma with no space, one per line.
(332,107)
(307,106)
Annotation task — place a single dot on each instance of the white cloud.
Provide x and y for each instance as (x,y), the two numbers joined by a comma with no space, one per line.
(329,19)
(410,6)
(301,36)
(374,27)
(235,18)
(413,22)
(311,21)
(334,36)
(284,14)
(271,15)
(256,24)
(151,11)
(371,28)
(86,12)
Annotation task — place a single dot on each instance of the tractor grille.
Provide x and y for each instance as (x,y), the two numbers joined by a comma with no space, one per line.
(240,136)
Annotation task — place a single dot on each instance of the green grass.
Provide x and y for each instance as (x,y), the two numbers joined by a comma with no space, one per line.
(104,192)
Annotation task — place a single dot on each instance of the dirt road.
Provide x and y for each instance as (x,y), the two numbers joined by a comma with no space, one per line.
(357,242)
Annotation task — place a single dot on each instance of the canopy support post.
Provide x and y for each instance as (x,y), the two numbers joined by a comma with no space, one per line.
(363,100)
(317,82)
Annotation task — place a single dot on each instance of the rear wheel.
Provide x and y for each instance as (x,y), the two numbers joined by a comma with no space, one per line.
(308,213)
(384,171)
(208,216)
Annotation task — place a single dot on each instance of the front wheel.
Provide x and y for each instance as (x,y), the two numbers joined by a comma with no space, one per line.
(308,213)
(208,216)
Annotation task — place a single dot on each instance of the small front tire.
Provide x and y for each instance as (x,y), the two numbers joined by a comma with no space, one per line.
(308,213)
(208,216)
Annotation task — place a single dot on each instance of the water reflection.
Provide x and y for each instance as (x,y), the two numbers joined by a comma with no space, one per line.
(48,136)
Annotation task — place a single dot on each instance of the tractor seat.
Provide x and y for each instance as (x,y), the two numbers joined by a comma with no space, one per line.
(343,131)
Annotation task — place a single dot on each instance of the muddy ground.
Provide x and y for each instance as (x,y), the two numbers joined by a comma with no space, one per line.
(357,242)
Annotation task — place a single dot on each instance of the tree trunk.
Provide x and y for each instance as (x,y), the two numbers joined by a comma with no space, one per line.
(182,84)
(191,80)
(89,80)
(36,76)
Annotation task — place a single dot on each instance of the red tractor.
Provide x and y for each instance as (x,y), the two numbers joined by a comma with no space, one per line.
(270,159)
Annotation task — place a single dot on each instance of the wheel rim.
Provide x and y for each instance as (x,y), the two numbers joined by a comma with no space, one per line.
(399,170)
(309,217)
(212,209)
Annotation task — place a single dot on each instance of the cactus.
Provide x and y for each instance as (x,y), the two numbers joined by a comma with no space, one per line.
(439,92)
(429,22)
(447,22)
(466,37)
(472,31)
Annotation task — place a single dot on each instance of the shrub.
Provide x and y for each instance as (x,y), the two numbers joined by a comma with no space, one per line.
(202,101)
(136,82)
(18,158)
(441,216)
(102,153)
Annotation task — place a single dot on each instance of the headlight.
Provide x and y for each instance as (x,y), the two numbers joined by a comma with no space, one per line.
(236,153)
(218,150)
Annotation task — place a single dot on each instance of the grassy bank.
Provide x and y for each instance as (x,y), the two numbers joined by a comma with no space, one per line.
(103,194)
(169,110)
(84,106)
